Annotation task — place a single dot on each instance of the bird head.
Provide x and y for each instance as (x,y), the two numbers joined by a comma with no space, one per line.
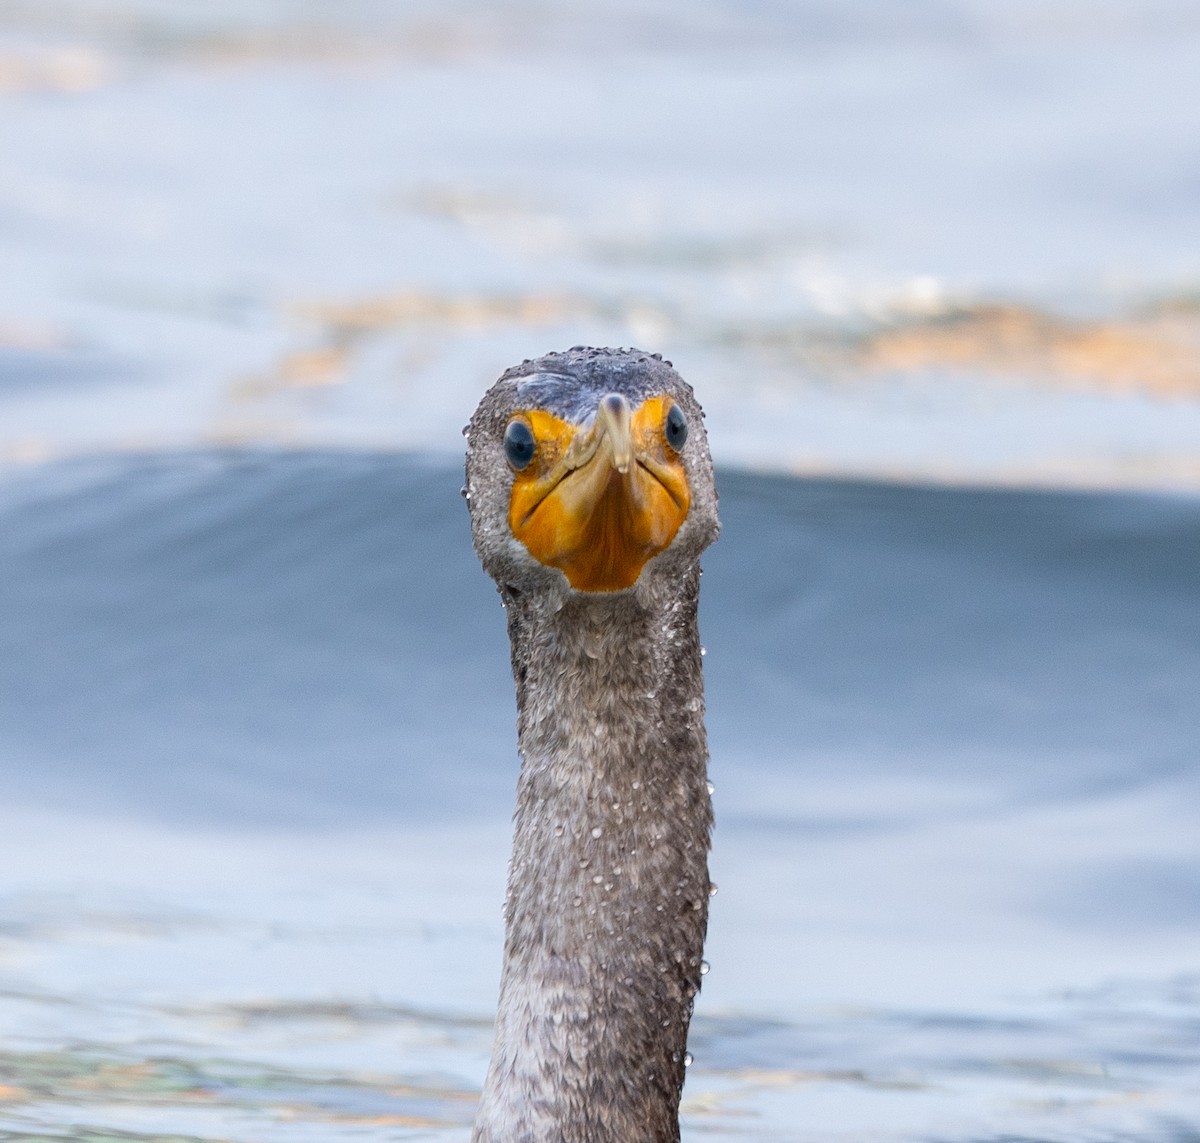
(589,469)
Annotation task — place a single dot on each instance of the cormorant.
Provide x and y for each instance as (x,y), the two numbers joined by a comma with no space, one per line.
(590,488)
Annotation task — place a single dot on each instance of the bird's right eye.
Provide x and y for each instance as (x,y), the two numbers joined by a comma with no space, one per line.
(519,445)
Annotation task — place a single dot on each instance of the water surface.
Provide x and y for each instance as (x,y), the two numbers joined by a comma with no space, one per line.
(257,734)
(931,268)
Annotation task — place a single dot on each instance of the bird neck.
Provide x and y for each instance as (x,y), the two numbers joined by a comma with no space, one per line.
(608,887)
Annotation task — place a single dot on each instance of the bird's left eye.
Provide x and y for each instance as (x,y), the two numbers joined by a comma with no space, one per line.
(519,445)
(676,428)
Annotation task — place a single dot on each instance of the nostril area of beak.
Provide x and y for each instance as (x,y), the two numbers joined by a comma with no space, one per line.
(614,424)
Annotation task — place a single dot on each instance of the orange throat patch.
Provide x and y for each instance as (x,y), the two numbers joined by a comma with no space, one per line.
(599,502)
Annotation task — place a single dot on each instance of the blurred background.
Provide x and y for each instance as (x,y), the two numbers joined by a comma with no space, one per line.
(933,269)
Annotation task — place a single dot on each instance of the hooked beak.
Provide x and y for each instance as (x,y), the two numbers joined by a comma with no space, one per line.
(607,502)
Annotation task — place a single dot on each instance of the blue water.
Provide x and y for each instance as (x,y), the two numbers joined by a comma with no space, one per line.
(257,739)
(244,616)
(257,761)
(332,225)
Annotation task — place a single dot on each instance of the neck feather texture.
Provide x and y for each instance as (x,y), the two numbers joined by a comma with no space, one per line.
(608,888)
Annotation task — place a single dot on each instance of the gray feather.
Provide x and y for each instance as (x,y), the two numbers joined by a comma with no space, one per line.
(608,886)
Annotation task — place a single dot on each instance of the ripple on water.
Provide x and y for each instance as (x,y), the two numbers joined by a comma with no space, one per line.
(258,772)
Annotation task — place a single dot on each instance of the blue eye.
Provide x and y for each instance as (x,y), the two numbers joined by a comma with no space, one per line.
(519,445)
(676,428)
